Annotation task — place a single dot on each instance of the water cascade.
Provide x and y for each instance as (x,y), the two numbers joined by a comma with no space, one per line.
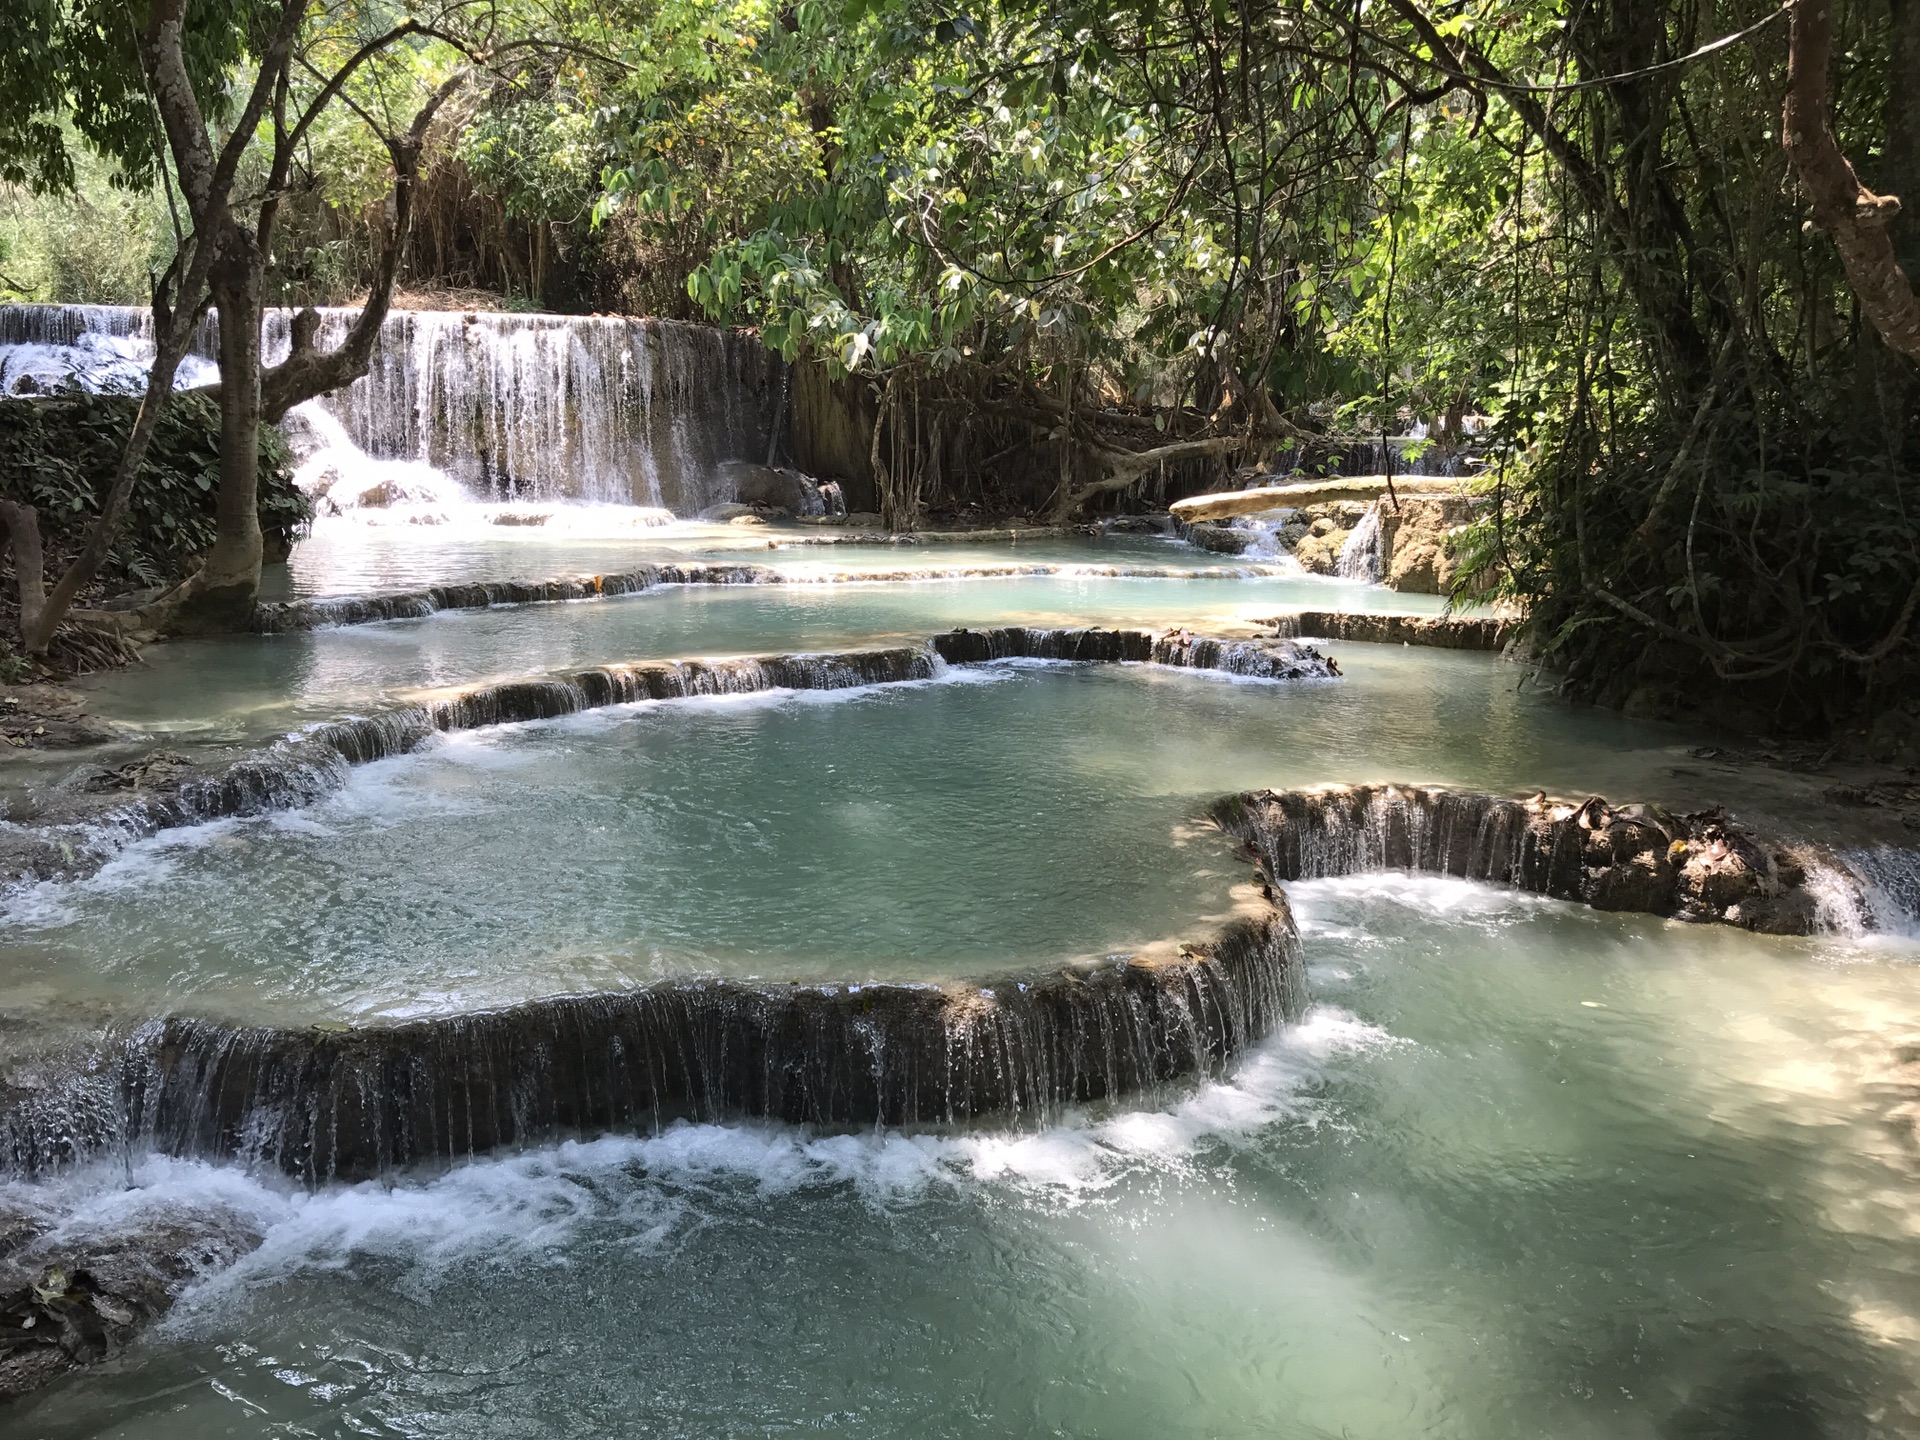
(512,407)
(1630,857)
(342,1104)
(1360,555)
(295,772)
(1889,886)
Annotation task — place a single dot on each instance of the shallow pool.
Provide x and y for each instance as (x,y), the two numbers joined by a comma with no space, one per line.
(1527,1170)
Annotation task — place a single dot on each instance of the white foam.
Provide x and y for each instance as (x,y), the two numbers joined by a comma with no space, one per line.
(1321,906)
(1890,886)
(648,1188)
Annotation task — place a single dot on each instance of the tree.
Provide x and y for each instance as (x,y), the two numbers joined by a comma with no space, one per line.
(230,170)
(1854,216)
(1107,234)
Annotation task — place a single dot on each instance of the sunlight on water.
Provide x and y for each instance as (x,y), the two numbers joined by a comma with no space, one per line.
(1525,1170)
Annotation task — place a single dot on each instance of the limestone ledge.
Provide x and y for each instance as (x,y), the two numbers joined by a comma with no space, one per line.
(1703,866)
(83,826)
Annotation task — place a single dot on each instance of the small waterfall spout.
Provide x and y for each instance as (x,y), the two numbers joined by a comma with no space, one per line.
(1889,884)
(1360,555)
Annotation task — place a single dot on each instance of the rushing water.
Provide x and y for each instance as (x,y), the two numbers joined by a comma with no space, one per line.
(1527,1171)
(926,831)
(541,407)
(1524,1169)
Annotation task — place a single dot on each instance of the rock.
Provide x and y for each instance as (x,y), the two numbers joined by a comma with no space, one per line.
(863,520)
(157,769)
(726,512)
(1641,883)
(72,1300)
(766,488)
(1321,553)
(1417,540)
(748,519)
(1793,912)
(517,517)
(833,499)
(1221,539)
(378,497)
(44,717)
(1713,882)
(1446,632)
(1361,489)
(1894,737)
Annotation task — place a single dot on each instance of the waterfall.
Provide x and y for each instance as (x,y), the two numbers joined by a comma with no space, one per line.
(299,770)
(1889,877)
(344,1104)
(105,348)
(511,407)
(1360,556)
(1702,867)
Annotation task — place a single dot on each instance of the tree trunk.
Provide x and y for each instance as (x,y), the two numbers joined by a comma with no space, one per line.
(220,597)
(1125,467)
(1853,216)
(22,525)
(1900,165)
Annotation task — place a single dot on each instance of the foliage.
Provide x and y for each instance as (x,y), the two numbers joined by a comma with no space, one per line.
(68,68)
(98,242)
(58,455)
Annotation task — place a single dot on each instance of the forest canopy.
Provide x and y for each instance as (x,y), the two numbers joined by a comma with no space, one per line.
(1155,244)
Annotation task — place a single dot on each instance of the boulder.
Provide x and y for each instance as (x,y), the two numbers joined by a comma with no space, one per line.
(1642,883)
(1715,877)
(1321,553)
(1417,540)
(766,488)
(70,1300)
(1222,539)
(1792,912)
(727,512)
(1894,737)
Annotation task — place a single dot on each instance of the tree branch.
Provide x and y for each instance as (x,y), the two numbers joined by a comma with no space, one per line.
(1851,214)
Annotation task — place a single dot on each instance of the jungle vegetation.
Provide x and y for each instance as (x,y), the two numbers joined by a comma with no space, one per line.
(1651,252)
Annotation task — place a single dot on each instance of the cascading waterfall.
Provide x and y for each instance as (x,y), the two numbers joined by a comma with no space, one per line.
(1702,867)
(1360,555)
(544,407)
(512,407)
(1889,877)
(345,1104)
(299,770)
(106,348)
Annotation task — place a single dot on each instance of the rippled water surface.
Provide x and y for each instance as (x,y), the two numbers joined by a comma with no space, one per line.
(250,687)
(355,557)
(1526,1170)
